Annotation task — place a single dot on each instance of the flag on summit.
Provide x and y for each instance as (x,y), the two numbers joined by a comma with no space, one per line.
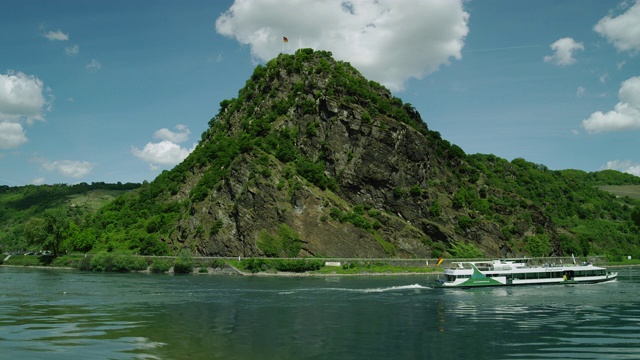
(284,39)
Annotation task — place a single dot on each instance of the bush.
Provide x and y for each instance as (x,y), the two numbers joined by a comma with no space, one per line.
(253,265)
(160,266)
(538,245)
(118,262)
(102,261)
(286,265)
(84,263)
(298,265)
(269,245)
(217,264)
(435,210)
(129,262)
(80,262)
(184,263)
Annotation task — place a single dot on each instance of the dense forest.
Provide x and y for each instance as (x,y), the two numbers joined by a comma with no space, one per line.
(275,146)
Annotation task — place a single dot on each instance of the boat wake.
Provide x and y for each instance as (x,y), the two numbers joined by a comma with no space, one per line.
(364,291)
(394,288)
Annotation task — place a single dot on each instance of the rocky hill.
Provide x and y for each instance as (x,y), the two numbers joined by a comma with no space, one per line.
(312,159)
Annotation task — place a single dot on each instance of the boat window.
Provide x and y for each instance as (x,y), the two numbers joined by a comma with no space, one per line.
(531,275)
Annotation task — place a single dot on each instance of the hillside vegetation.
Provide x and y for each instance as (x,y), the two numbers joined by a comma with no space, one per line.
(313,160)
(24,207)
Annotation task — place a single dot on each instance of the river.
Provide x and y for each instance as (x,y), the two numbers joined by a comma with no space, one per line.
(67,314)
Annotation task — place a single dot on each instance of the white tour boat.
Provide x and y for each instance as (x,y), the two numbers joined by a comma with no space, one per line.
(518,272)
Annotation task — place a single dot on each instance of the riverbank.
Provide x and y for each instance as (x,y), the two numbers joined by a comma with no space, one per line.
(114,262)
(232,271)
(311,267)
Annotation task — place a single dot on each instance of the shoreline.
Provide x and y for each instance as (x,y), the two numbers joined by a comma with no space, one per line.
(232,271)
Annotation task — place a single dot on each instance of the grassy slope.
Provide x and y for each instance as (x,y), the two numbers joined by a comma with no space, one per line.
(632,191)
(94,199)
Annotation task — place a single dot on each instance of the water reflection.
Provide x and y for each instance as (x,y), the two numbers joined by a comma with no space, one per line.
(49,314)
(59,331)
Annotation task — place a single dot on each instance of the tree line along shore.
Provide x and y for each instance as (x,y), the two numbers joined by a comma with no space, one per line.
(185,263)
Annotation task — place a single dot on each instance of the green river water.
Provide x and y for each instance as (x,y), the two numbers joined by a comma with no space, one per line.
(65,314)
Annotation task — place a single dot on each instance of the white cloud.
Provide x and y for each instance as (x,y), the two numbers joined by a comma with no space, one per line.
(162,153)
(564,49)
(72,50)
(581,90)
(625,114)
(623,166)
(94,65)
(21,100)
(38,181)
(389,41)
(12,135)
(180,135)
(167,151)
(70,168)
(57,35)
(623,30)
(21,97)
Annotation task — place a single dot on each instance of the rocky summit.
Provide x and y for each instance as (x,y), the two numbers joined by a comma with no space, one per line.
(312,159)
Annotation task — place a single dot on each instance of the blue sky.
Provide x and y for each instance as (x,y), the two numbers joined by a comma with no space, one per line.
(121,90)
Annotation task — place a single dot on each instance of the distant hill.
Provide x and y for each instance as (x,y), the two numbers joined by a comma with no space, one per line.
(312,159)
(21,203)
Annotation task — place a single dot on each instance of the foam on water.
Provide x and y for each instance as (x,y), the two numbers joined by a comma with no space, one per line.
(355,290)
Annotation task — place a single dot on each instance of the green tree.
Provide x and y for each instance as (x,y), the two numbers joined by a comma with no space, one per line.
(56,224)
(635,216)
(34,231)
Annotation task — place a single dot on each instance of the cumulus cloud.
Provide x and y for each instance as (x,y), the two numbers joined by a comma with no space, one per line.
(180,135)
(389,41)
(625,166)
(57,35)
(167,151)
(564,49)
(163,153)
(622,30)
(12,135)
(22,100)
(70,168)
(21,97)
(625,114)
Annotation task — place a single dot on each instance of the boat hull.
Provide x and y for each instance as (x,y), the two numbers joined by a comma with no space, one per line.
(502,281)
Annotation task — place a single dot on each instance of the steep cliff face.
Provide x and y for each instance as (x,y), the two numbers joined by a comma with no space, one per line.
(312,159)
